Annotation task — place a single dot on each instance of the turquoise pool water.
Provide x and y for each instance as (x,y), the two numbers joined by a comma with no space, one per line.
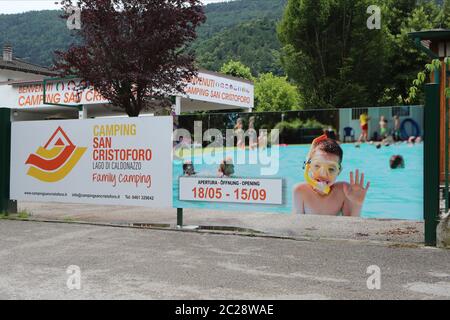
(394,194)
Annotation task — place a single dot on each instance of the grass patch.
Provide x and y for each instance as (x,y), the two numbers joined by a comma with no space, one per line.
(23,215)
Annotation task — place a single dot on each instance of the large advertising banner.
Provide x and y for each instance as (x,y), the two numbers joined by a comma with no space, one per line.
(120,161)
(350,162)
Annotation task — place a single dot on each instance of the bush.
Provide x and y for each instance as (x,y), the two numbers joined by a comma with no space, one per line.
(299,132)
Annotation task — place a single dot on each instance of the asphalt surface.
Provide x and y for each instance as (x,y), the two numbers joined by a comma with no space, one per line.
(284,225)
(124,263)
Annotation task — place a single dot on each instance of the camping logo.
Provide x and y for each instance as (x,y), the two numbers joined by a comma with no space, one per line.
(56,159)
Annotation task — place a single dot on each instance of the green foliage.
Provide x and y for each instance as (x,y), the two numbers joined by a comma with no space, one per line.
(299,124)
(284,126)
(330,53)
(239,30)
(405,60)
(35,35)
(326,48)
(237,69)
(313,124)
(254,43)
(338,62)
(432,67)
(274,93)
(23,215)
(447,93)
(229,14)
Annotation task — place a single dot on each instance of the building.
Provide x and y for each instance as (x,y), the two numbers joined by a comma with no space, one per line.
(33,93)
(15,69)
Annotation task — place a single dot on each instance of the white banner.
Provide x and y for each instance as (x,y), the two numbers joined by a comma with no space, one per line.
(123,161)
(211,88)
(205,87)
(261,191)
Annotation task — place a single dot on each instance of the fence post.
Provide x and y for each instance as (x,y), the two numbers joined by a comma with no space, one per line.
(431,162)
(5,159)
(180,217)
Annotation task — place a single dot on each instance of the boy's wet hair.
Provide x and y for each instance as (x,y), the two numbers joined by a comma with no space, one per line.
(329,146)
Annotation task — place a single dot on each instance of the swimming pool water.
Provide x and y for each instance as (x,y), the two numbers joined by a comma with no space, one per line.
(393,194)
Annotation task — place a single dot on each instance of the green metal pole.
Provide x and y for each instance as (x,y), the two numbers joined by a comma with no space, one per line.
(5,158)
(431,162)
(44,93)
(180,217)
(446,190)
(447,140)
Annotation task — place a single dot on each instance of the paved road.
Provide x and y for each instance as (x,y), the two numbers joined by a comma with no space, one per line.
(151,264)
(287,225)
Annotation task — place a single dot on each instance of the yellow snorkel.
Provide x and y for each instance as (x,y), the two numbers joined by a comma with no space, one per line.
(313,165)
(320,186)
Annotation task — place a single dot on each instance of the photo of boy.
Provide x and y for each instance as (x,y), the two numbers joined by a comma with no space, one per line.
(321,194)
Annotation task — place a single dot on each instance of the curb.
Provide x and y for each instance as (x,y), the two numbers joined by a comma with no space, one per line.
(217,230)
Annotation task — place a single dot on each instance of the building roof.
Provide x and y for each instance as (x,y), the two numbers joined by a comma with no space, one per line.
(431,34)
(20,65)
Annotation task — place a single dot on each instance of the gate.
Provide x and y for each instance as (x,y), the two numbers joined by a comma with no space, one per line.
(5,145)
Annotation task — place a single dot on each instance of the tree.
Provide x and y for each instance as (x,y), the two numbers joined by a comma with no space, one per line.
(274,93)
(237,69)
(253,42)
(405,60)
(331,54)
(133,50)
(338,62)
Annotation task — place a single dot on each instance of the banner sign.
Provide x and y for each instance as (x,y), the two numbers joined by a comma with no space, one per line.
(262,191)
(120,161)
(207,87)
(349,162)
(300,162)
(218,89)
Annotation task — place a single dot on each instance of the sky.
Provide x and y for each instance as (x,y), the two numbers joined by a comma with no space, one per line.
(19,6)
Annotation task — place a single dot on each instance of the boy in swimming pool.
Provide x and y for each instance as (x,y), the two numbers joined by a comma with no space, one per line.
(321,194)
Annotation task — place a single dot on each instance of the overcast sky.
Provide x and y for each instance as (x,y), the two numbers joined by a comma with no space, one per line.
(18,6)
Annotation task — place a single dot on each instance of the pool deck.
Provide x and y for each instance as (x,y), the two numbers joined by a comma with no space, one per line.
(256,224)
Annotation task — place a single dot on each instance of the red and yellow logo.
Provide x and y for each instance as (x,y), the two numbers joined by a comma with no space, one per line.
(56,159)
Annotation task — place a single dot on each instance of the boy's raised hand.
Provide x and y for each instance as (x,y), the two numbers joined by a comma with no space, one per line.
(355,191)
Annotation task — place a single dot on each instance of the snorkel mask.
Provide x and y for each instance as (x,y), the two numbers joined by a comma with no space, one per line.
(318,166)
